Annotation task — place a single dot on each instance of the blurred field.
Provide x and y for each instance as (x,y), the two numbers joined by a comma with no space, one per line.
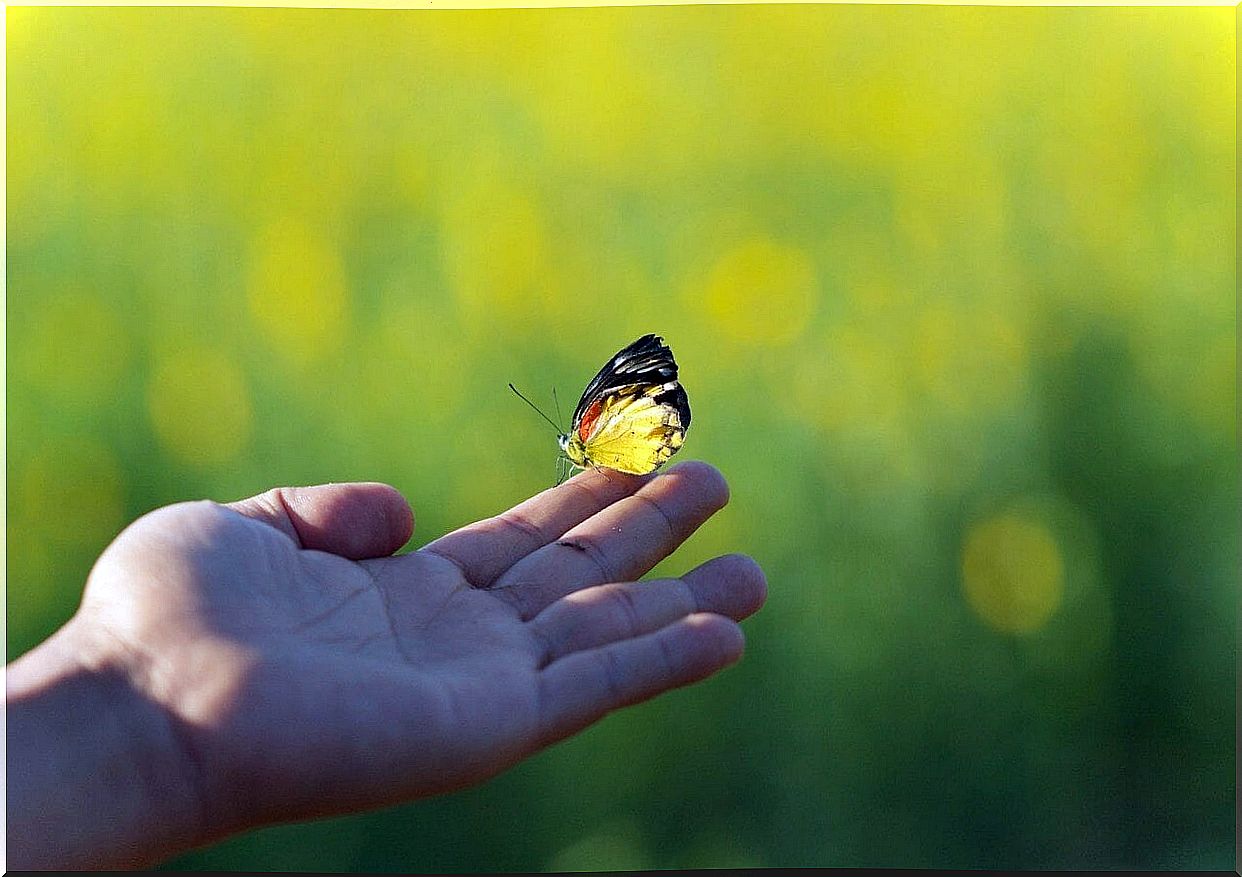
(953,291)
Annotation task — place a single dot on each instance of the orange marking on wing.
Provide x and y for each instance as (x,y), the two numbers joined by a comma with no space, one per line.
(589,417)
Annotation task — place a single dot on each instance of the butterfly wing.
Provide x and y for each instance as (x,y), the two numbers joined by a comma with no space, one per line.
(634,414)
(647,361)
(639,428)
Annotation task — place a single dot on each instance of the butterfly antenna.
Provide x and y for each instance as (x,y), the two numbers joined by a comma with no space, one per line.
(559,419)
(536,407)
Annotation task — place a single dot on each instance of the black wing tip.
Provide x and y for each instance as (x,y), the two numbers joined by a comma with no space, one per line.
(647,345)
(646,360)
(651,339)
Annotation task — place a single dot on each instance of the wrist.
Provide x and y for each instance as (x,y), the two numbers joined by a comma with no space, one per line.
(103,781)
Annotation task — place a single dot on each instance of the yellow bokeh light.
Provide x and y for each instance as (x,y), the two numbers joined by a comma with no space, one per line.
(761,292)
(199,405)
(297,293)
(1013,574)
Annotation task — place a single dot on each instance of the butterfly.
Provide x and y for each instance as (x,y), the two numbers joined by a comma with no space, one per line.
(632,416)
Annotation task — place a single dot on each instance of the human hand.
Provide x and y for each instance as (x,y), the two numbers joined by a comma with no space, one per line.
(277,664)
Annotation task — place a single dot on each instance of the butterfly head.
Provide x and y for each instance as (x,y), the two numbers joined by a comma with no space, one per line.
(573,449)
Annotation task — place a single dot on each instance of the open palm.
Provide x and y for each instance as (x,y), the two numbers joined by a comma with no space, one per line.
(305,671)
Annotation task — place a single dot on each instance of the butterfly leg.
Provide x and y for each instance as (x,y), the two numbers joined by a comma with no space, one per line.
(563,471)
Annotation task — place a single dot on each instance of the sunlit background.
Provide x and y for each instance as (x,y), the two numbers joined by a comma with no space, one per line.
(953,293)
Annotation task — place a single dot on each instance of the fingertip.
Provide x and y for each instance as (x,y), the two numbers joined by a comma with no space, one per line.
(733,585)
(381,516)
(356,520)
(394,507)
(751,580)
(705,478)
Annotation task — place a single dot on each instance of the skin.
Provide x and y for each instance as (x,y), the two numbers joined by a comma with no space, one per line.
(268,660)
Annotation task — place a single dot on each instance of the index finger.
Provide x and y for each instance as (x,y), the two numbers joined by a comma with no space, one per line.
(485,549)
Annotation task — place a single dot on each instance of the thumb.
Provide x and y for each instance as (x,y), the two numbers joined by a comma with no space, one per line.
(357,521)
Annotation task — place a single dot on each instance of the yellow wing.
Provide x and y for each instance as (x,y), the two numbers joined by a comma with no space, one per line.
(634,433)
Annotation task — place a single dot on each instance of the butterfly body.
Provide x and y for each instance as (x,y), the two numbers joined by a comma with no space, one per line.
(633,415)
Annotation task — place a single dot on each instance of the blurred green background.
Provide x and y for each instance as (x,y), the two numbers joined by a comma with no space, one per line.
(953,293)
